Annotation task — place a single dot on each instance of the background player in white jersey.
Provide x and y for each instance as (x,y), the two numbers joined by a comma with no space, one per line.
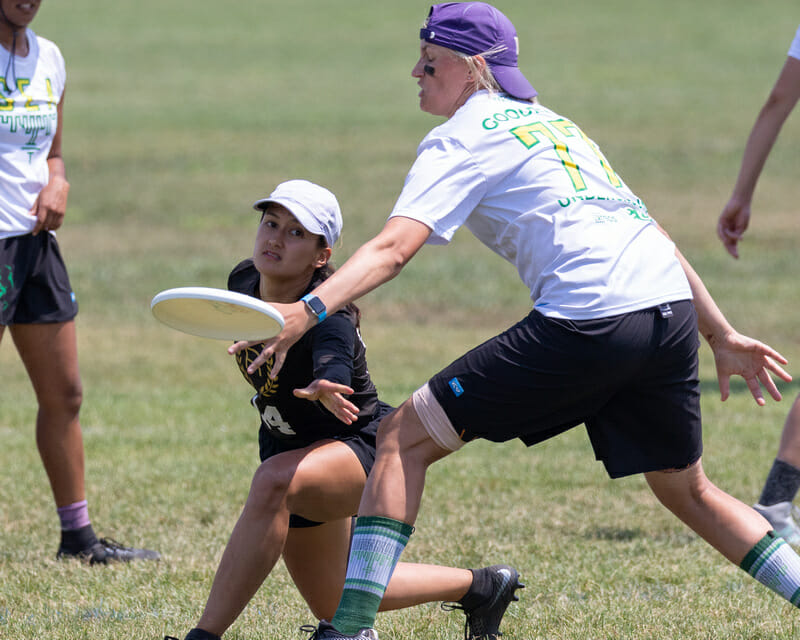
(317,442)
(612,338)
(36,300)
(783,480)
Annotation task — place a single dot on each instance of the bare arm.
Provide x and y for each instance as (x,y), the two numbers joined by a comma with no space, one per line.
(377,261)
(51,203)
(734,353)
(735,217)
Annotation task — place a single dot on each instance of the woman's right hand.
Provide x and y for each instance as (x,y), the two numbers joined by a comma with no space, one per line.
(297,320)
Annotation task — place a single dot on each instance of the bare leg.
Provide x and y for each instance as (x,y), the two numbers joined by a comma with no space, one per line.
(293,482)
(727,524)
(301,482)
(389,506)
(405,451)
(316,558)
(50,355)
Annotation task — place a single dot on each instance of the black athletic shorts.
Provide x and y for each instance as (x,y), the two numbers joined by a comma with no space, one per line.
(361,442)
(632,379)
(34,286)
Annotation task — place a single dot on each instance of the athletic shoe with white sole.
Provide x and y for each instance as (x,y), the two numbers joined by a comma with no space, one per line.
(326,631)
(782,518)
(105,550)
(483,620)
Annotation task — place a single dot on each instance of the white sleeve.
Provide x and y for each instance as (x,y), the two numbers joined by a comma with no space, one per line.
(442,188)
(794,50)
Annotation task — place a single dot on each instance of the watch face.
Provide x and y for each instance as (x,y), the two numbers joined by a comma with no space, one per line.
(316,305)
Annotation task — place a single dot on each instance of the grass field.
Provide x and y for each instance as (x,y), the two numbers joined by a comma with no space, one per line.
(180,114)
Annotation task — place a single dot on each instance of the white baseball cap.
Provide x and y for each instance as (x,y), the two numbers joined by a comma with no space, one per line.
(315,207)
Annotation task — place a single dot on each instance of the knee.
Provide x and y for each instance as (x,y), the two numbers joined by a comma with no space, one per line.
(271,484)
(679,489)
(73,398)
(65,399)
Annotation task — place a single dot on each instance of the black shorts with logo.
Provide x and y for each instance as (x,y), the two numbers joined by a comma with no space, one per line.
(34,285)
(632,379)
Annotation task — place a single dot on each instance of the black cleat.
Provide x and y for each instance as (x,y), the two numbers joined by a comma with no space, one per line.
(483,620)
(105,550)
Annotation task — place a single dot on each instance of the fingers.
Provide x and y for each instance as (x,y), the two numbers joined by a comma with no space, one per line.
(277,364)
(46,219)
(769,384)
(778,371)
(236,347)
(730,229)
(319,388)
(262,358)
(755,391)
(330,394)
(732,248)
(730,240)
(760,381)
(724,388)
(771,355)
(344,410)
(754,361)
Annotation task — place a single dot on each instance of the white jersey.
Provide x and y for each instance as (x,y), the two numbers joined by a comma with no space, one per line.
(532,187)
(28,121)
(794,49)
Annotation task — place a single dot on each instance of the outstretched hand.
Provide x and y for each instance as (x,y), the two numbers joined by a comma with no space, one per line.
(331,395)
(735,354)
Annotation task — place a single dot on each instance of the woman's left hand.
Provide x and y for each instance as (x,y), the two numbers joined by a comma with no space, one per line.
(50,205)
(735,354)
(331,395)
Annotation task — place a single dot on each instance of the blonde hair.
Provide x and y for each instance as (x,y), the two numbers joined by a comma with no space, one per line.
(484,79)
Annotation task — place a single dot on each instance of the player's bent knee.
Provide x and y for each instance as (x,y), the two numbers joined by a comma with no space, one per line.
(675,487)
(271,482)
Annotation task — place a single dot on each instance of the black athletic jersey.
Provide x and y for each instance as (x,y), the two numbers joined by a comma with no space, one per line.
(332,350)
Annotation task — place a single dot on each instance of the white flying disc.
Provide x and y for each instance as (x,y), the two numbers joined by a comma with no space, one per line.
(216,313)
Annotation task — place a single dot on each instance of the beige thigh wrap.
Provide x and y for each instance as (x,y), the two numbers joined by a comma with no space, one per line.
(435,420)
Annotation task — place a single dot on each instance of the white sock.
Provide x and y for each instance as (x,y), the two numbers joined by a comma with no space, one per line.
(775,565)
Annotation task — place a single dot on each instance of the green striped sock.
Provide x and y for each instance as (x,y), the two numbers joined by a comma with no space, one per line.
(775,565)
(374,552)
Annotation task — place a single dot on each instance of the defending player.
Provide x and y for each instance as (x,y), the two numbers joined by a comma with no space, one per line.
(608,286)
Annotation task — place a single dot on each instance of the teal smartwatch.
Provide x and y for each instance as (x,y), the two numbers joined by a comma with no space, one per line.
(316,306)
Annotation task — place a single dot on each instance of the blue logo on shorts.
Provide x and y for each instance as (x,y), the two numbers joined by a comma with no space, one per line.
(455,385)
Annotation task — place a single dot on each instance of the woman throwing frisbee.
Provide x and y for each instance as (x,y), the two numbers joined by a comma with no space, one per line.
(317,442)
(607,285)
